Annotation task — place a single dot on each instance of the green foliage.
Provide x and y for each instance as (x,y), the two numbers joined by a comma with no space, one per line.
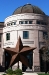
(18,72)
(43,74)
(9,71)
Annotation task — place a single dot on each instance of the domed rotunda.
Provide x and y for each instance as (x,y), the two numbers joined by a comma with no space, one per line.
(28,8)
(30,23)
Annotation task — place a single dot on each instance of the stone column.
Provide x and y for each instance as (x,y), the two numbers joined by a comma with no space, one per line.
(33,62)
(20,65)
(36,61)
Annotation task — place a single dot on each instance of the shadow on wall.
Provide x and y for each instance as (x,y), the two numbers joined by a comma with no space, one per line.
(2,69)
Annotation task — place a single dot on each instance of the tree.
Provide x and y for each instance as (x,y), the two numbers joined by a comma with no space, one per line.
(45,52)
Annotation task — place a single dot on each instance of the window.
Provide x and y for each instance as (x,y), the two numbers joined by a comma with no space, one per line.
(30,22)
(45,23)
(14,23)
(45,35)
(26,22)
(41,22)
(7,59)
(8,24)
(38,22)
(25,34)
(7,36)
(30,59)
(21,22)
(6,54)
(11,23)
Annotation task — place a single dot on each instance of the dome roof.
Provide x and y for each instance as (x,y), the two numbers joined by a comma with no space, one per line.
(28,8)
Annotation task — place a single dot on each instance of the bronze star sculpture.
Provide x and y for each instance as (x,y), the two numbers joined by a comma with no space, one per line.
(18,53)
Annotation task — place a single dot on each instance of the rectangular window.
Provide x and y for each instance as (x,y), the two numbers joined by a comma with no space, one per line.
(45,23)
(30,22)
(14,23)
(21,22)
(8,24)
(25,34)
(42,23)
(38,22)
(7,36)
(26,22)
(11,23)
(45,35)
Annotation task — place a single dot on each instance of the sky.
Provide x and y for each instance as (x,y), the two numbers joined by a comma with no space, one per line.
(7,7)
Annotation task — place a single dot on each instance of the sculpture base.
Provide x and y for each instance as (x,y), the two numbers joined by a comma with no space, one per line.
(28,70)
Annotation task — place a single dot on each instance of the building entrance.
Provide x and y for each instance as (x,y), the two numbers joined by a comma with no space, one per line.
(44,64)
(30,61)
(7,60)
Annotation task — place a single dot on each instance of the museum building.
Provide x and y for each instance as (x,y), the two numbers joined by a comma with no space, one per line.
(31,24)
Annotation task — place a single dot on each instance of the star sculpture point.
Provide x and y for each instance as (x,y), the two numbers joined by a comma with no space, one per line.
(18,53)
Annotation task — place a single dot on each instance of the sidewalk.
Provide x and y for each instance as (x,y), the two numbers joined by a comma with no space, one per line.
(24,73)
(1,73)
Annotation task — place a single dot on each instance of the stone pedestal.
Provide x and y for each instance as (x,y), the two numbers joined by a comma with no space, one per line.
(37,68)
(29,70)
